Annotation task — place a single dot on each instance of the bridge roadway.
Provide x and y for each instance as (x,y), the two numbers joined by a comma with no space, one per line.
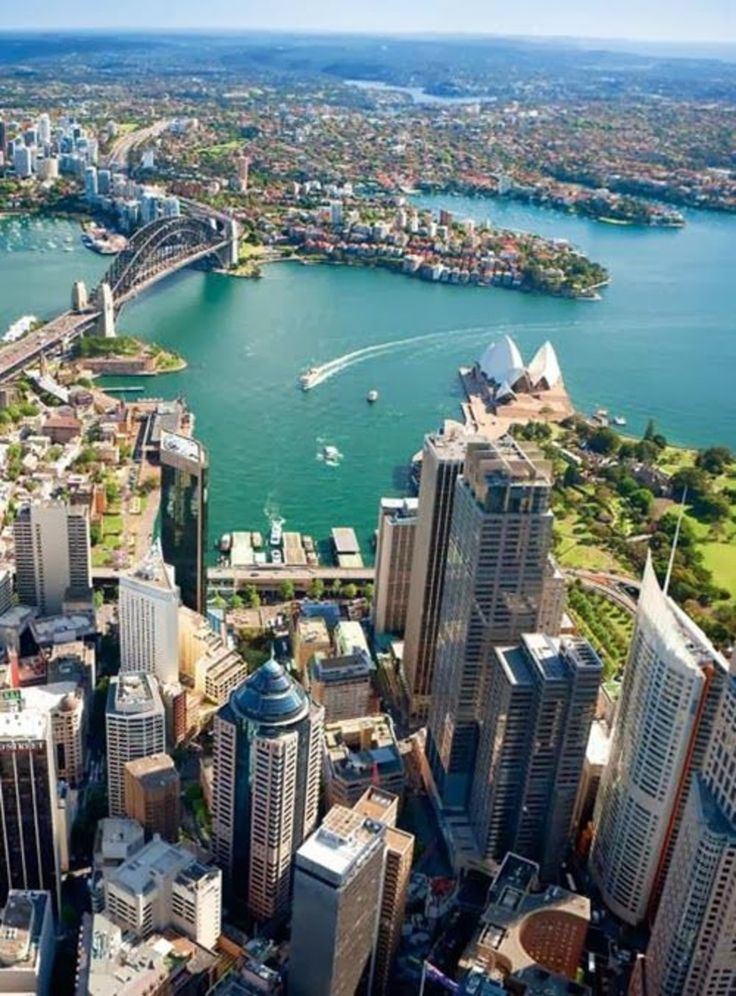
(16,356)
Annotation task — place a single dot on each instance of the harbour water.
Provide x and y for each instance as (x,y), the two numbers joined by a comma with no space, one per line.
(661,343)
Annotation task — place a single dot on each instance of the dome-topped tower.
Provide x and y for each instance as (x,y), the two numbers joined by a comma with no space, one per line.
(267,759)
(270,697)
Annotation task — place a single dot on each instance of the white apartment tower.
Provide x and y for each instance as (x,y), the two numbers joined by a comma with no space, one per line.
(148,610)
(268,752)
(52,555)
(135,721)
(397,522)
(672,683)
(692,947)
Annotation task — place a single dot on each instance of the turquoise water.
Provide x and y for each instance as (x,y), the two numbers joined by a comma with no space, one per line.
(661,343)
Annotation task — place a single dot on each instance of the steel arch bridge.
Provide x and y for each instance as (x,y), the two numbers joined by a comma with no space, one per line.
(158,248)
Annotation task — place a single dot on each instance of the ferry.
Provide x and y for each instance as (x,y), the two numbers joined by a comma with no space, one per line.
(372,397)
(332,456)
(275,537)
(309,378)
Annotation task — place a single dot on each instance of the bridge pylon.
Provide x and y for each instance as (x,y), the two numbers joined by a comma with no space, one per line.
(105,326)
(229,255)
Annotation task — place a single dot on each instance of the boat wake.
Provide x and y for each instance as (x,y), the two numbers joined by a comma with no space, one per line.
(323,372)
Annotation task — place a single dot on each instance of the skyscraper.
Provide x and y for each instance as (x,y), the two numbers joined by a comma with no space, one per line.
(692,946)
(267,757)
(535,720)
(497,560)
(148,610)
(338,879)
(135,721)
(30,856)
(442,461)
(397,522)
(672,682)
(383,807)
(52,555)
(184,474)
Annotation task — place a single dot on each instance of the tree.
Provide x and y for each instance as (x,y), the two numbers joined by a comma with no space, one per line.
(317,588)
(714,460)
(642,499)
(604,441)
(251,596)
(350,590)
(286,590)
(369,591)
(99,598)
(236,602)
(336,588)
(218,602)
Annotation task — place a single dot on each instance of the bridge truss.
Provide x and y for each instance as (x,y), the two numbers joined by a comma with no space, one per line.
(159,247)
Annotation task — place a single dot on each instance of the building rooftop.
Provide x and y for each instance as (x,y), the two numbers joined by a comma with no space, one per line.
(338,848)
(270,696)
(111,963)
(340,670)
(155,861)
(313,629)
(133,693)
(66,628)
(154,571)
(350,637)
(517,921)
(345,540)
(18,723)
(116,838)
(549,658)
(158,769)
(21,924)
(185,447)
(356,747)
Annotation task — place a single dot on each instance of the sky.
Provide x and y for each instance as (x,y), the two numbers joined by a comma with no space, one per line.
(649,20)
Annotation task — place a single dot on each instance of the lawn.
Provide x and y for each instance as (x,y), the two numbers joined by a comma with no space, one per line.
(576,547)
(720,559)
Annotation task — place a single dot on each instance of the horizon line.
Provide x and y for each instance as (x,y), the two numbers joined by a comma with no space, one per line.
(362,32)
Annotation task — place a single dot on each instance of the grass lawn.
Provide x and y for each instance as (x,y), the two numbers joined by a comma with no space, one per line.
(112,525)
(100,556)
(720,559)
(576,547)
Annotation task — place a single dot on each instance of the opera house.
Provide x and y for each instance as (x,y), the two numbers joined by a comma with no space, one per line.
(502,389)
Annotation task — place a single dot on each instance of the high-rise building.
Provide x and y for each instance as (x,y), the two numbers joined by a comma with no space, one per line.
(342,685)
(135,721)
(162,886)
(52,555)
(397,522)
(338,878)
(375,804)
(267,755)
(539,703)
(44,129)
(692,947)
(671,685)
(184,474)
(148,611)
(64,702)
(152,795)
(30,841)
(27,944)
(497,557)
(90,183)
(442,461)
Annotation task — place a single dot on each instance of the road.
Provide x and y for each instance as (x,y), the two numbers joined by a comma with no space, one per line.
(123,146)
(616,587)
(17,355)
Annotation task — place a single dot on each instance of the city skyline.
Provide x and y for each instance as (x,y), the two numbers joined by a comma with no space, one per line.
(714,21)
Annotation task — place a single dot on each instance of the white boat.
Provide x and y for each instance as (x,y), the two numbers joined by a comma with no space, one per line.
(371,397)
(275,537)
(619,420)
(276,557)
(309,378)
(332,456)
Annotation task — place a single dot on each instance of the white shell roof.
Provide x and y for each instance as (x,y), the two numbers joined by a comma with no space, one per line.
(502,362)
(545,366)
